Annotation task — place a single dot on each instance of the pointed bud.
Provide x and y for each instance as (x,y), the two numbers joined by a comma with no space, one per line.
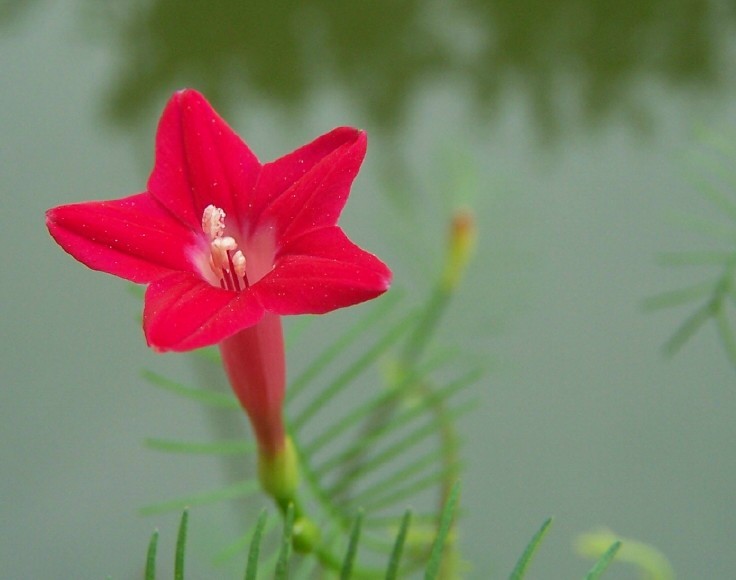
(461,245)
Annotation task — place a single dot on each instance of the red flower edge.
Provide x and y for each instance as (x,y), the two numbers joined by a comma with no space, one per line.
(220,238)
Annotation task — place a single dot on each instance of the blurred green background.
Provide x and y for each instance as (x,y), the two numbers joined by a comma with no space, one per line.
(571,128)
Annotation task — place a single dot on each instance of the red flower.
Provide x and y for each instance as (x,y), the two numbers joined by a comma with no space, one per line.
(227,245)
(222,239)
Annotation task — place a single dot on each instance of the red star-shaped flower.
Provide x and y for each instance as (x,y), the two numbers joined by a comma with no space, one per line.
(222,239)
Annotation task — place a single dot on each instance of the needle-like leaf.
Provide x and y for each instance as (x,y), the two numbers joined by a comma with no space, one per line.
(380,399)
(329,354)
(410,440)
(240,489)
(600,566)
(689,327)
(392,480)
(151,557)
(395,560)
(282,565)
(448,513)
(352,372)
(347,565)
(192,448)
(680,296)
(251,569)
(409,490)
(204,396)
(521,565)
(181,542)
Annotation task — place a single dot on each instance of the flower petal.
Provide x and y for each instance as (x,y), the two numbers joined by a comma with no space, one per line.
(318,177)
(182,312)
(134,237)
(201,161)
(319,272)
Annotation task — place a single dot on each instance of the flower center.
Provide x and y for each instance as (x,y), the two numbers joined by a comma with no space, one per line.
(226,261)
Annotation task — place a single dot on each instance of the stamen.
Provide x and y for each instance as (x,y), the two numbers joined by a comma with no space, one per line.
(238,261)
(213,221)
(226,261)
(219,249)
(228,280)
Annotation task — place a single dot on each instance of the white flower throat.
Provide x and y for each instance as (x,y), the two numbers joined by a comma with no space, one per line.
(226,261)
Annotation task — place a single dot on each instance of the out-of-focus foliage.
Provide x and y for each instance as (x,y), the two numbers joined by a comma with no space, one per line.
(380,53)
(714,297)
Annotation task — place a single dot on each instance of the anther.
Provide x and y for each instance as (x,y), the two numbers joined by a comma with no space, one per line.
(226,261)
(213,221)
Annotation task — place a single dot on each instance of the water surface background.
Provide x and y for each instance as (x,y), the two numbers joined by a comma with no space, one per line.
(570,127)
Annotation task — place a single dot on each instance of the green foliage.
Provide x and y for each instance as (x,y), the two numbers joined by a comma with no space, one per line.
(151,557)
(398,548)
(521,565)
(652,564)
(715,297)
(397,443)
(236,490)
(193,448)
(203,396)
(284,562)
(181,544)
(255,547)
(448,513)
(282,566)
(603,562)
(360,466)
(347,564)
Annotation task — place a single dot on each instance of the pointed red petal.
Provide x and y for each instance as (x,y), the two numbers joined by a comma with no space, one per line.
(321,271)
(134,237)
(182,312)
(201,161)
(307,189)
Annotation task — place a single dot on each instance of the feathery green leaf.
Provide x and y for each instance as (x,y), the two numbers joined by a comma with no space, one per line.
(151,557)
(210,354)
(448,513)
(347,564)
(395,560)
(680,296)
(390,482)
(181,541)
(688,328)
(410,440)
(412,488)
(282,565)
(379,400)
(389,520)
(726,332)
(251,569)
(239,489)
(531,548)
(204,396)
(192,448)
(321,361)
(603,562)
(352,372)
(297,326)
(241,543)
